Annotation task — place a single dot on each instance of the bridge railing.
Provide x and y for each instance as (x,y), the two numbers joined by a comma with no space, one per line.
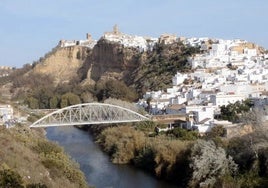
(89,113)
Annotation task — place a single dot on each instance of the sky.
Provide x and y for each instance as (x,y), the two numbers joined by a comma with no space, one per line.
(31,28)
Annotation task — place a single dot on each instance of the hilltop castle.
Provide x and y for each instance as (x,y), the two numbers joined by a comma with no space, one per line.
(114,32)
(89,42)
(143,43)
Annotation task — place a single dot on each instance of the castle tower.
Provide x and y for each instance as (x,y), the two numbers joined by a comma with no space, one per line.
(89,36)
(115,29)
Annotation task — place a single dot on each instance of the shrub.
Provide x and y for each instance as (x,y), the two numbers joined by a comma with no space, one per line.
(60,165)
(166,154)
(145,159)
(183,134)
(32,103)
(146,126)
(251,154)
(47,147)
(122,143)
(10,179)
(115,89)
(69,99)
(209,163)
(217,131)
(36,185)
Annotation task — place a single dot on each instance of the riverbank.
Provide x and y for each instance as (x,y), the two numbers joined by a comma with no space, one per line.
(27,158)
(188,160)
(96,165)
(161,156)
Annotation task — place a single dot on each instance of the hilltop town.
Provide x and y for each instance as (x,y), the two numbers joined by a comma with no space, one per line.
(143,43)
(182,84)
(224,72)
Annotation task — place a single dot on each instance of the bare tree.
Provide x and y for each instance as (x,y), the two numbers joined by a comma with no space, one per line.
(259,138)
(208,163)
(254,117)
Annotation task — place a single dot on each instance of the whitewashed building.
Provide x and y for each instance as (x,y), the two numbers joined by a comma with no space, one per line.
(6,113)
(179,79)
(221,99)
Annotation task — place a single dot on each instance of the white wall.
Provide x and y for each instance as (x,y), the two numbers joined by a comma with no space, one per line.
(220,100)
(178,79)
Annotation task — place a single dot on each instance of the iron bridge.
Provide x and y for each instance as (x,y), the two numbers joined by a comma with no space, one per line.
(87,114)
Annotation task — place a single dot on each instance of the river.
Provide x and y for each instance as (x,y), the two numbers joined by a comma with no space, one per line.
(95,164)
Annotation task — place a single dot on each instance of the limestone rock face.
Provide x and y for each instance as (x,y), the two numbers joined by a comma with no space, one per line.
(107,60)
(112,60)
(62,64)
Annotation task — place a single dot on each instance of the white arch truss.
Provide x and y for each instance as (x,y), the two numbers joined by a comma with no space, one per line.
(89,113)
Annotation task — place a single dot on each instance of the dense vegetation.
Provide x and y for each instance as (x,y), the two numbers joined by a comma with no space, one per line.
(188,160)
(27,159)
(39,92)
(233,111)
(161,64)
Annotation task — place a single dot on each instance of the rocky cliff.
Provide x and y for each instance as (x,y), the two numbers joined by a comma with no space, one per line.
(145,63)
(111,60)
(63,63)
(135,66)
(107,60)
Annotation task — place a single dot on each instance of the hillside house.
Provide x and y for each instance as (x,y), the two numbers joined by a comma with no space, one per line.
(179,78)
(226,72)
(221,99)
(6,114)
(193,124)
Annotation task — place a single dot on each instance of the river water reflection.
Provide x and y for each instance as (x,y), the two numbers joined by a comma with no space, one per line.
(95,164)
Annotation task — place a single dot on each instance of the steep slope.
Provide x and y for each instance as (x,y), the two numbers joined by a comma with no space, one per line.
(160,65)
(118,65)
(111,60)
(63,64)
(27,158)
(146,67)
